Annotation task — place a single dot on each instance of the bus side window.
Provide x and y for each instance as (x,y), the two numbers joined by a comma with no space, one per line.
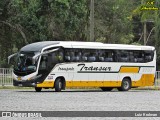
(57,57)
(43,63)
(101,55)
(60,56)
(73,55)
(123,56)
(68,55)
(92,56)
(148,56)
(108,56)
(84,55)
(139,56)
(78,55)
(67,58)
(131,56)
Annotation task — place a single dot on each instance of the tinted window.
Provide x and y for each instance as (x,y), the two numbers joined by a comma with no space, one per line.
(106,56)
(148,56)
(92,56)
(73,55)
(102,55)
(138,56)
(123,56)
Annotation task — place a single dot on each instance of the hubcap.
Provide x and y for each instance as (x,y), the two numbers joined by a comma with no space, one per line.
(60,85)
(126,84)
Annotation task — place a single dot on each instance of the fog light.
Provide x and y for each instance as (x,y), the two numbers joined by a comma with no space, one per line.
(33,84)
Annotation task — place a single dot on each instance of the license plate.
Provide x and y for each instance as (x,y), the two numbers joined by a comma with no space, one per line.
(19,78)
(19,84)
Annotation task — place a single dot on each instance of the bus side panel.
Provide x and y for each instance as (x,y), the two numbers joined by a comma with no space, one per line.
(140,76)
(112,80)
(145,77)
(145,80)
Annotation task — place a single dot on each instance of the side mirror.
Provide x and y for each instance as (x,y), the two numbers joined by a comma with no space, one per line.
(11,56)
(43,53)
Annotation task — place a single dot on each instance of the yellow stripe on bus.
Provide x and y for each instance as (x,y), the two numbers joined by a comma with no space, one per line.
(93,83)
(46,84)
(129,70)
(145,80)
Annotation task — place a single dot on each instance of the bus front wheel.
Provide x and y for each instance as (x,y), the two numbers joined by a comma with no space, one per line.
(126,85)
(38,89)
(58,85)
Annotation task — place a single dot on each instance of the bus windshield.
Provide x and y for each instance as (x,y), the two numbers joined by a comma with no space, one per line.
(24,63)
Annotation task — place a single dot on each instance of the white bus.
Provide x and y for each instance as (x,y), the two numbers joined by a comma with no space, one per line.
(61,64)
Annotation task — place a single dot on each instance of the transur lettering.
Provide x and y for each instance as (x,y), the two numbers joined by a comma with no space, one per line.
(92,68)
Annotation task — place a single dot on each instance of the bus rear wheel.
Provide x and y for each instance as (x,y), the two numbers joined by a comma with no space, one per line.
(38,89)
(58,85)
(126,85)
(106,88)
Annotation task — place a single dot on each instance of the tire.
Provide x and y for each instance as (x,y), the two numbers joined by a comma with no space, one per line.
(38,89)
(126,85)
(58,85)
(106,88)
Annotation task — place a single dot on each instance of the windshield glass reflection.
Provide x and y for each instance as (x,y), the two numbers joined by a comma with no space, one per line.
(24,62)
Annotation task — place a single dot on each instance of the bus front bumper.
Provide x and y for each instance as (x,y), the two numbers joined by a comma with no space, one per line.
(25,83)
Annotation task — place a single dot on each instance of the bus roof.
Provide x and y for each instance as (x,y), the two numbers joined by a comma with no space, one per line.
(38,46)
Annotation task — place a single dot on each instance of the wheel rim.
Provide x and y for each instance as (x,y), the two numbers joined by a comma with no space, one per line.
(126,84)
(60,85)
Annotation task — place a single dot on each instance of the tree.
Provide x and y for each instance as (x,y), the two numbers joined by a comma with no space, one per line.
(152,20)
(144,19)
(31,20)
(70,18)
(113,22)
(5,33)
(24,22)
(157,35)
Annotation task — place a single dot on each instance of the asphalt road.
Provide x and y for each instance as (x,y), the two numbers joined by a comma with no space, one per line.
(79,100)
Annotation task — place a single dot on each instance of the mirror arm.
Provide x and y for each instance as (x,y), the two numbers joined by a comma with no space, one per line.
(43,53)
(9,57)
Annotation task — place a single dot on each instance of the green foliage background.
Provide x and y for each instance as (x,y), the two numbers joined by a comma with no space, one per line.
(116,21)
